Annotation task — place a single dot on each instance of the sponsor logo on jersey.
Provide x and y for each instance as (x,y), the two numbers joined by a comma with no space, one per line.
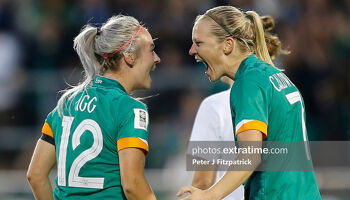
(98,81)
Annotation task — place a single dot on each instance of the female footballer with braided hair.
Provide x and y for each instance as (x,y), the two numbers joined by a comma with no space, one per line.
(98,134)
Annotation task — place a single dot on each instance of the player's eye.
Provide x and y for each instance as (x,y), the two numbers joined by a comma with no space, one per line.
(198,43)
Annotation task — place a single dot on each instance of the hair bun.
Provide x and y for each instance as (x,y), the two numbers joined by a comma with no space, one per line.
(268,22)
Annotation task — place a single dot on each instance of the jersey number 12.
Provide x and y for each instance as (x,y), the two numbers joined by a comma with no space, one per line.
(74,180)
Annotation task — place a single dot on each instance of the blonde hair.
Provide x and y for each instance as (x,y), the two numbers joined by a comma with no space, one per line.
(274,45)
(93,43)
(247,28)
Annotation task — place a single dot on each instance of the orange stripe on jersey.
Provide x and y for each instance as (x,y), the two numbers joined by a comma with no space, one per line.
(254,125)
(127,142)
(47,130)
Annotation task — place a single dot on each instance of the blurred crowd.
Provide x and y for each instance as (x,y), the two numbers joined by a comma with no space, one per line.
(37,61)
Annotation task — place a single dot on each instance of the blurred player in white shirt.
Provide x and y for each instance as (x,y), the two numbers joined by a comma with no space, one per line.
(213,123)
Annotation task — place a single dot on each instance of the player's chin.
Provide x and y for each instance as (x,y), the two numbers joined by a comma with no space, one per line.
(213,77)
(144,85)
(213,80)
(148,83)
(147,87)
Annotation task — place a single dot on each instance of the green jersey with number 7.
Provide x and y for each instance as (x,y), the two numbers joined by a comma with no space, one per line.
(99,122)
(263,98)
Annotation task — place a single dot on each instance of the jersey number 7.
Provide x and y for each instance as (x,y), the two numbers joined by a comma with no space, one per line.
(293,98)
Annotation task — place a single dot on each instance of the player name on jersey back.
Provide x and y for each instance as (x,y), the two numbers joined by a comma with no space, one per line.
(280,81)
(86,103)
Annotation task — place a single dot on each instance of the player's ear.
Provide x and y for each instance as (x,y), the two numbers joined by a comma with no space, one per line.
(229,44)
(129,58)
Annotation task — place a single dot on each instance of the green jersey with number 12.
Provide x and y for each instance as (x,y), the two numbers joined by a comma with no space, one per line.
(263,98)
(99,122)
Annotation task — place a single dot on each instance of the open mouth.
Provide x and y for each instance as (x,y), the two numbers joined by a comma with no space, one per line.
(204,62)
(153,68)
(206,66)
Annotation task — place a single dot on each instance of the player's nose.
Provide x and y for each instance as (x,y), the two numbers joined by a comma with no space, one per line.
(156,58)
(193,50)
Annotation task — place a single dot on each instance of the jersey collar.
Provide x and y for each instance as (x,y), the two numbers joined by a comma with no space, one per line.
(108,83)
(246,63)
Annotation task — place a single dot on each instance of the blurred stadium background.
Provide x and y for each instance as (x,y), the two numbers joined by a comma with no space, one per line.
(37,60)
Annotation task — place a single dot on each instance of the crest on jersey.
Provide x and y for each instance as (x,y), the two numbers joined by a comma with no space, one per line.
(141,119)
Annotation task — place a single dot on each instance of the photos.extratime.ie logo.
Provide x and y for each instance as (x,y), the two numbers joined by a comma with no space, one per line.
(259,156)
(237,150)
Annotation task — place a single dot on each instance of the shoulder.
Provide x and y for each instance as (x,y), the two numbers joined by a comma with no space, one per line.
(53,118)
(258,70)
(52,114)
(216,104)
(128,102)
(257,74)
(216,99)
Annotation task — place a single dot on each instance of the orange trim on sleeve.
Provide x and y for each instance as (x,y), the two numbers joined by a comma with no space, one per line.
(127,142)
(254,125)
(47,130)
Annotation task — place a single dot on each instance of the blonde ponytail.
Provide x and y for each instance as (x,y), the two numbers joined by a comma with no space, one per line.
(250,30)
(260,46)
(92,44)
(84,46)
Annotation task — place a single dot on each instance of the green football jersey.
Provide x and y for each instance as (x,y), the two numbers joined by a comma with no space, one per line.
(263,98)
(99,122)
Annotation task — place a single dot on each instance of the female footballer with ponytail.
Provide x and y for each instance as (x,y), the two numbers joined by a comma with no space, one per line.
(265,105)
(98,134)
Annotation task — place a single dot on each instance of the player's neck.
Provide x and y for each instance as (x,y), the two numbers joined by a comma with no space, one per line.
(234,63)
(122,80)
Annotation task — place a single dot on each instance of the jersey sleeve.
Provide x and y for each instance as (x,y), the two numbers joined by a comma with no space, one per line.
(206,124)
(134,126)
(250,105)
(47,133)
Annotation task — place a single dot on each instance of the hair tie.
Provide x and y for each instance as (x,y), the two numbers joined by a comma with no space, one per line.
(98,30)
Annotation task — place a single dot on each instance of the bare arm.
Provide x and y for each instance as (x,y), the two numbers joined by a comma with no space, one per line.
(132,163)
(230,181)
(44,158)
(203,179)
